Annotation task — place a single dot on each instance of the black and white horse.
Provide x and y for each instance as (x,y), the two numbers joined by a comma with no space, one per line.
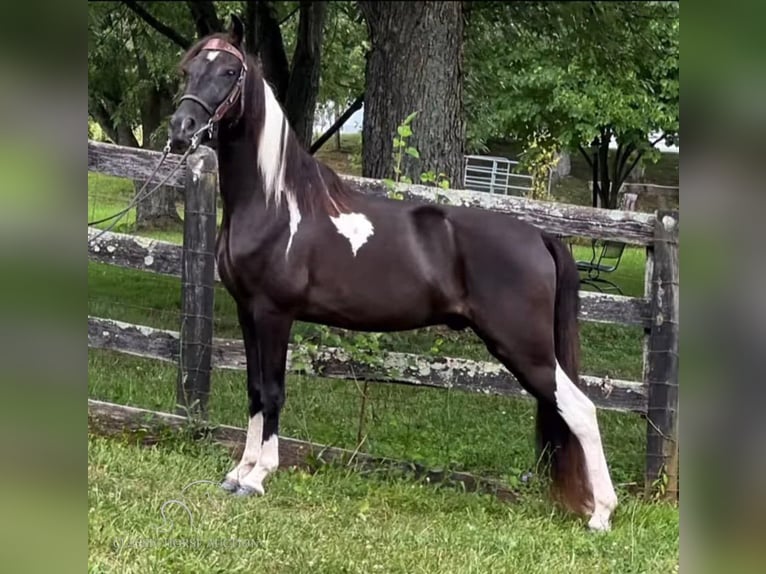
(297,244)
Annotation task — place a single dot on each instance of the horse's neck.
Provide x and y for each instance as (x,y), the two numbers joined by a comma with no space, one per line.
(241,182)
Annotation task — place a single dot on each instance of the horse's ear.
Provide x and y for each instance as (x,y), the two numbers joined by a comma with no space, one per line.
(236,29)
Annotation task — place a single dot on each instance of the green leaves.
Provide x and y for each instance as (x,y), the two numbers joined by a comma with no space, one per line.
(404,131)
(571,68)
(412,152)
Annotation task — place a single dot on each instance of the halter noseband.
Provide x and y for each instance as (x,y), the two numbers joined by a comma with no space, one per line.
(236,92)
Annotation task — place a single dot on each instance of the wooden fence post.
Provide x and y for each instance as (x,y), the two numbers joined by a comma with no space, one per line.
(197,283)
(661,373)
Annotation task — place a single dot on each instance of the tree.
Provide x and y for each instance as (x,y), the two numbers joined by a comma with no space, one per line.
(130,93)
(134,48)
(586,73)
(414,65)
(343,61)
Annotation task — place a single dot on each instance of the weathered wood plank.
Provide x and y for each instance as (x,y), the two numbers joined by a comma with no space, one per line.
(628,226)
(134,163)
(165,258)
(134,252)
(661,376)
(559,218)
(198,281)
(111,419)
(404,368)
(606,308)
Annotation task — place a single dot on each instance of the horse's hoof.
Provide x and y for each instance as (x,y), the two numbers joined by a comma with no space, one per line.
(599,524)
(229,486)
(247,491)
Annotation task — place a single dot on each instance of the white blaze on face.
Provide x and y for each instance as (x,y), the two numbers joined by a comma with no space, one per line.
(579,413)
(212,54)
(270,145)
(295,219)
(355,227)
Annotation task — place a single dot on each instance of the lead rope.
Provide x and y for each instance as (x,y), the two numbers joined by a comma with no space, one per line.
(140,195)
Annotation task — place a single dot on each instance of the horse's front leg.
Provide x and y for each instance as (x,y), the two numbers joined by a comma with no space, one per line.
(265,334)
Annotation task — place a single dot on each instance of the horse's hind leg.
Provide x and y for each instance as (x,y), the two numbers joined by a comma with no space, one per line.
(566,420)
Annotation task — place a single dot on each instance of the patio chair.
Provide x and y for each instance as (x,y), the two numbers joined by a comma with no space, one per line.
(606,259)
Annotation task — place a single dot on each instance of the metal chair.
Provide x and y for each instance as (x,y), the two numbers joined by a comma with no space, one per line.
(604,260)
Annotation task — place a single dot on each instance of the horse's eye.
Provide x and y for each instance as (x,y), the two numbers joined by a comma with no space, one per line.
(230,72)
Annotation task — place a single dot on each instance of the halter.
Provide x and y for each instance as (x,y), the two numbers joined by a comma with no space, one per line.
(236,91)
(215,117)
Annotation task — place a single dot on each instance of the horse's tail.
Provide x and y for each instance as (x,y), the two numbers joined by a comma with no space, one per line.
(559,447)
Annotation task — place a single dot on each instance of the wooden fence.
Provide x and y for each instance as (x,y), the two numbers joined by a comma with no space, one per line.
(197,352)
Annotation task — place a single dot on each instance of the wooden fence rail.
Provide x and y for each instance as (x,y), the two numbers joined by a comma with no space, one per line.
(194,345)
(484,377)
(573,220)
(164,258)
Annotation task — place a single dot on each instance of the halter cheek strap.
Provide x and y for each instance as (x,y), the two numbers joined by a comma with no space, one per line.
(236,92)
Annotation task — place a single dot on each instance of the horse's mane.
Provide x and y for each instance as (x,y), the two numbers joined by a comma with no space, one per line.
(312,184)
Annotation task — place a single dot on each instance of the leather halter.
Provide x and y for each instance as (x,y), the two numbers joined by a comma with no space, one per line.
(236,92)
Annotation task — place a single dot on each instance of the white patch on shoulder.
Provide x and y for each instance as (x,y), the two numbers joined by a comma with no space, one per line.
(355,227)
(212,54)
(270,145)
(295,219)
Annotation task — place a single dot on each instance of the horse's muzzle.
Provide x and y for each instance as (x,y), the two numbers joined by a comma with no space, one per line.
(184,123)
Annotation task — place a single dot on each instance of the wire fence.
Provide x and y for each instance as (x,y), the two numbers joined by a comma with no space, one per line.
(451,428)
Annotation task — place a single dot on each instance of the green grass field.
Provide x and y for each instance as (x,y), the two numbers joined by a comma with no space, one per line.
(337,520)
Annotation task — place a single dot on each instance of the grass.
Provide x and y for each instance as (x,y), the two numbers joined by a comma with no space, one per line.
(491,436)
(337,520)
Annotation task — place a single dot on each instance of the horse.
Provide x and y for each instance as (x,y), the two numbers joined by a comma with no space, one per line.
(298,244)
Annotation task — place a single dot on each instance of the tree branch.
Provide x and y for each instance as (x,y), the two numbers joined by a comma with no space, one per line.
(585,155)
(639,155)
(290,15)
(658,140)
(356,105)
(163,29)
(619,167)
(617,156)
(205,17)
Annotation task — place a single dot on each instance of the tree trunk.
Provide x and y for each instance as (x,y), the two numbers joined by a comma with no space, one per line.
(415,64)
(303,86)
(264,38)
(205,17)
(158,211)
(336,116)
(603,164)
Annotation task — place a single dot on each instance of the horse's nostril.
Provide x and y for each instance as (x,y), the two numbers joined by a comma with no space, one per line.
(188,124)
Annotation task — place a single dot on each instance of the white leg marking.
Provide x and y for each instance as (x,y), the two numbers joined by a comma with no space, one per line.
(212,54)
(579,413)
(267,463)
(252,450)
(355,227)
(270,145)
(295,219)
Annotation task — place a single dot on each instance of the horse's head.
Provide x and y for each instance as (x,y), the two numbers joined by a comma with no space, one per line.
(214,72)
